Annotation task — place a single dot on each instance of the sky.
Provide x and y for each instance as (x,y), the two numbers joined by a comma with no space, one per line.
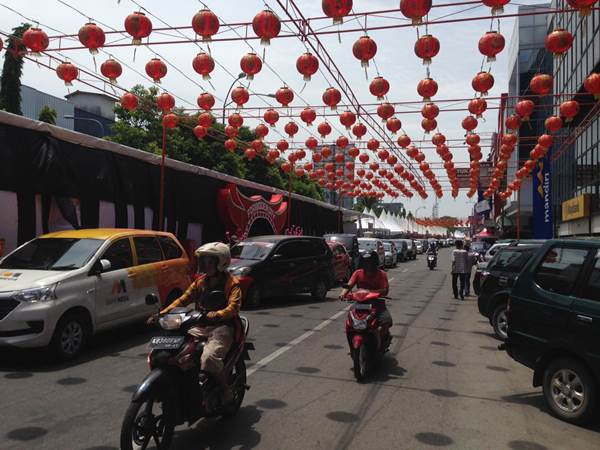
(453,68)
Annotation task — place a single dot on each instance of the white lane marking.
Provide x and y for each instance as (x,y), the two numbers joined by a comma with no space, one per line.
(277,353)
(391,279)
(404,270)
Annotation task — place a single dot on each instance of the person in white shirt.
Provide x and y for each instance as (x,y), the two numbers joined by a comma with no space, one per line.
(460,264)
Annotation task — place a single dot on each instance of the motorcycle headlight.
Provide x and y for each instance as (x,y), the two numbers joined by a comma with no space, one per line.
(241,271)
(171,321)
(39,294)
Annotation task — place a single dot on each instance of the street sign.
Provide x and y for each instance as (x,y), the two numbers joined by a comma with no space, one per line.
(463,174)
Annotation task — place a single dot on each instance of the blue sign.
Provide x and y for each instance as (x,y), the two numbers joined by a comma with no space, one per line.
(543,224)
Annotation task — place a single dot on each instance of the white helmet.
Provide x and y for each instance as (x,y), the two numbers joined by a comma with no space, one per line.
(219,251)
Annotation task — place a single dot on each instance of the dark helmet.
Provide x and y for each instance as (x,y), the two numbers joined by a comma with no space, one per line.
(369,260)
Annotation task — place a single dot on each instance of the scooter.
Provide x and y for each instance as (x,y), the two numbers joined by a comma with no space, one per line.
(431,261)
(176,390)
(368,342)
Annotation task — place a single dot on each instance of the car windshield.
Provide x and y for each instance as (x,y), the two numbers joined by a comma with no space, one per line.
(367,245)
(52,254)
(256,251)
(387,247)
(346,241)
(478,247)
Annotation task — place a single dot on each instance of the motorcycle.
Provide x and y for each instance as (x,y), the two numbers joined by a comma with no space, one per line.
(431,261)
(176,390)
(368,342)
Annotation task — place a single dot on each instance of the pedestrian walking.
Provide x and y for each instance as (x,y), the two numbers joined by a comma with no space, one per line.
(459,269)
(471,261)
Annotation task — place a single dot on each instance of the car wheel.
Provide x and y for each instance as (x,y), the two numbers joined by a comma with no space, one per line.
(319,290)
(570,390)
(500,322)
(70,336)
(253,298)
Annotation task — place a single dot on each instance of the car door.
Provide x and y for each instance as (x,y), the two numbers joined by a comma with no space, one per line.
(174,276)
(283,271)
(146,273)
(114,288)
(339,261)
(585,318)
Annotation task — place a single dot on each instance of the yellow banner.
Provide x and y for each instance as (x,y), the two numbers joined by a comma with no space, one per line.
(576,208)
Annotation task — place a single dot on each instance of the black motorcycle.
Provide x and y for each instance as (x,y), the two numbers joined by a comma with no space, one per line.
(176,390)
(431,261)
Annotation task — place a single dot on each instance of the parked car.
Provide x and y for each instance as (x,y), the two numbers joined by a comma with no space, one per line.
(401,249)
(270,266)
(554,325)
(498,279)
(60,288)
(350,242)
(370,244)
(412,249)
(489,254)
(342,263)
(419,247)
(391,256)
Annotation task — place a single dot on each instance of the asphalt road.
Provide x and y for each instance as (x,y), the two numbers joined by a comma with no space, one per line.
(443,384)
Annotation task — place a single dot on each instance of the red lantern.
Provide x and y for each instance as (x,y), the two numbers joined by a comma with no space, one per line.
(419,157)
(353,152)
(427,88)
(541,84)
(392,160)
(379,87)
(231,132)
(438,139)
(496,5)
(230,145)
(326,152)
(364,158)
(235,120)
(393,124)
(483,82)
(200,131)
(342,142)
(428,125)
(316,157)
(336,9)
(477,107)
(426,48)
(490,44)
(307,64)
(283,145)
(206,119)
(203,64)
(415,10)
(291,128)
(339,158)
(170,120)
(430,111)
(513,122)
(569,110)
(385,111)
(469,123)
(1,44)
(509,139)
(324,129)
(583,6)
(592,85)
(537,152)
(373,144)
(165,102)
(67,72)
(331,97)
(374,166)
(311,143)
(299,172)
(284,95)
(364,49)
(156,69)
(35,40)
(257,145)
(206,24)
(206,101)
(271,116)
(92,37)
(347,118)
(558,42)
(524,109)
(250,65)
(266,26)
(111,69)
(412,151)
(138,26)
(546,140)
(240,96)
(129,101)
(472,139)
(553,124)
(383,155)
(261,131)
(359,130)
(250,153)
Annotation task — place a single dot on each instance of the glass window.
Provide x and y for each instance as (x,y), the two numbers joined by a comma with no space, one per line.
(169,247)
(509,260)
(119,254)
(293,250)
(560,268)
(52,254)
(591,288)
(252,250)
(148,249)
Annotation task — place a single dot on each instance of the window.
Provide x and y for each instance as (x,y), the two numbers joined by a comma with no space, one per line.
(591,288)
(294,249)
(148,250)
(119,254)
(560,268)
(252,250)
(509,260)
(170,247)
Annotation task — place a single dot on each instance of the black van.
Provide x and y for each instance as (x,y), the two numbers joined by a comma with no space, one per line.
(554,325)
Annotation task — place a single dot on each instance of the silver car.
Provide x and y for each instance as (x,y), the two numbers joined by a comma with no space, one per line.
(372,244)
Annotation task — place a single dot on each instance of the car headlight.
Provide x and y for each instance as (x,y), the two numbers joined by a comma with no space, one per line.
(241,271)
(171,321)
(39,294)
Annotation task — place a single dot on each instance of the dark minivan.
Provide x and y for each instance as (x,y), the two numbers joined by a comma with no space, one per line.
(497,282)
(270,266)
(350,241)
(554,325)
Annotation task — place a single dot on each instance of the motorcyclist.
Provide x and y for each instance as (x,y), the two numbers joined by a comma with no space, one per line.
(213,259)
(370,277)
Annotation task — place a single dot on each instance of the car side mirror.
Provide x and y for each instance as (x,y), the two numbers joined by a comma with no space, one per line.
(151,299)
(105,265)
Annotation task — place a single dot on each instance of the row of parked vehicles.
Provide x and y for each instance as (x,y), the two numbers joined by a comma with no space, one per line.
(543,299)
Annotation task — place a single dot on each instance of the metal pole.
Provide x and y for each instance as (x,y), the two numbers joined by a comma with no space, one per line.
(289,206)
(161,197)
(519,214)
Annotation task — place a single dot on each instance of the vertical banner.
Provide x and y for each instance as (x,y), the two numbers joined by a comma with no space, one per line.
(543,225)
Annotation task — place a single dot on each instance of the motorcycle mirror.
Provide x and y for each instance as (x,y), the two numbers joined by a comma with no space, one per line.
(151,299)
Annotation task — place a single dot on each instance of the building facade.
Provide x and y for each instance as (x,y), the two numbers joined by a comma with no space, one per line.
(331,196)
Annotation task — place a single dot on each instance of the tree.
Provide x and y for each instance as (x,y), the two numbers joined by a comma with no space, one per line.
(48,115)
(367,203)
(10,82)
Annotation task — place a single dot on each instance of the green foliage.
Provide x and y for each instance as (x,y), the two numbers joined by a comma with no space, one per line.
(367,203)
(10,82)
(143,129)
(48,115)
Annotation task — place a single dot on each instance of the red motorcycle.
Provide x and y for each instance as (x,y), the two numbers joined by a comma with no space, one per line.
(367,340)
(176,390)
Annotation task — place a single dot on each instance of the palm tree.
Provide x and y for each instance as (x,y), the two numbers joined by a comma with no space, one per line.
(10,82)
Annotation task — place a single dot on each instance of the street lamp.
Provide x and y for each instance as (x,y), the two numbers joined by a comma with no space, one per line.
(102,130)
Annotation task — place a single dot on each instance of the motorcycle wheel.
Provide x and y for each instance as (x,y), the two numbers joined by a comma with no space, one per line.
(360,362)
(141,426)
(238,388)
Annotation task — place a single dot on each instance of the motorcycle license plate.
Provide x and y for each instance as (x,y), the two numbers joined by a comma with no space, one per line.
(362,307)
(166,342)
